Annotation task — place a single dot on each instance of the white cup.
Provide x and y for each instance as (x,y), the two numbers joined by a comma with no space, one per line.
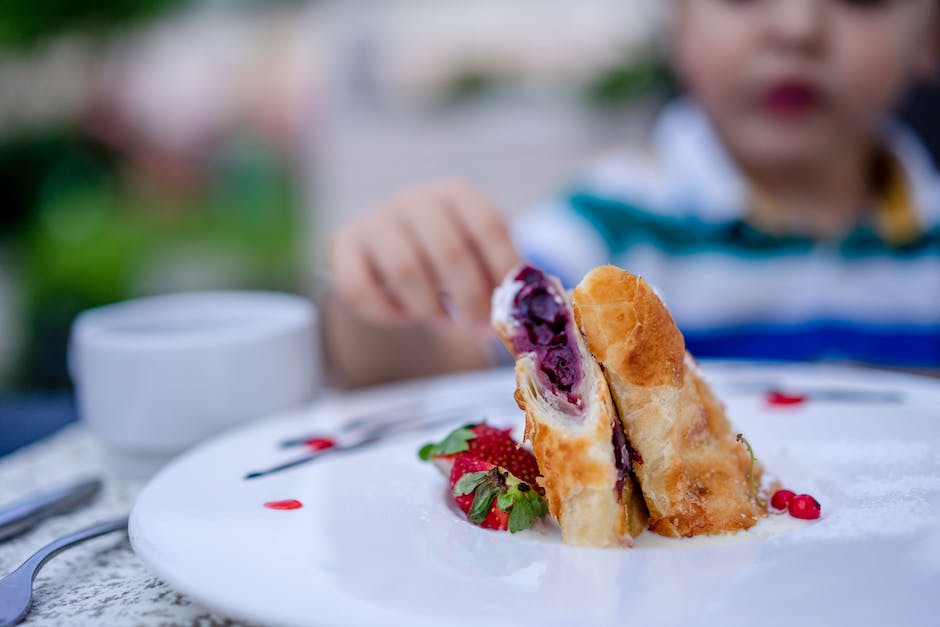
(157,375)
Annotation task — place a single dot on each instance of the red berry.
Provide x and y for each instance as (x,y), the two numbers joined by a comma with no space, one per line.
(776,397)
(781,499)
(804,506)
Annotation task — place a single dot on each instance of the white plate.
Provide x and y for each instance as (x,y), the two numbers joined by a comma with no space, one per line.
(376,542)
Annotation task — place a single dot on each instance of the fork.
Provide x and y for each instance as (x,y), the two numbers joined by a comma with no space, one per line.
(368,436)
(16,589)
(414,412)
(365,425)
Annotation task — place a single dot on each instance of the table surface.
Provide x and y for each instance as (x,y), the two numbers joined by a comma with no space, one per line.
(100,582)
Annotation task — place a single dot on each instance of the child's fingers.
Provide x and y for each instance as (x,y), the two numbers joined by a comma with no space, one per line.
(392,266)
(453,262)
(356,281)
(486,228)
(402,270)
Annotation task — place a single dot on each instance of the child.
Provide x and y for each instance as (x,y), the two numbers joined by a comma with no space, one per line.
(779,212)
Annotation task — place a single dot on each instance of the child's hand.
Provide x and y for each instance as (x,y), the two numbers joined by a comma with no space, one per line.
(436,244)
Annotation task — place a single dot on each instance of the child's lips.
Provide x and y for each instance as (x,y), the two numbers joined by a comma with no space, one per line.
(791,99)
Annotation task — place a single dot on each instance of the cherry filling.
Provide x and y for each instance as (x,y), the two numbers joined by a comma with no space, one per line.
(621,453)
(546,326)
(624,455)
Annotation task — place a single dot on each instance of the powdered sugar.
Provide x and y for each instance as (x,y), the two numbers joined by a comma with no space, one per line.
(866,489)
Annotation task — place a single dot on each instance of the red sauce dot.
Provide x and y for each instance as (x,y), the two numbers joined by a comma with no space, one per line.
(776,397)
(318,444)
(288,504)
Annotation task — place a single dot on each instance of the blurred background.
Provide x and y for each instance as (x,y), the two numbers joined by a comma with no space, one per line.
(149,146)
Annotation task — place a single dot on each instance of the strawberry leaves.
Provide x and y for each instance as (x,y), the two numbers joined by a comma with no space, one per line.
(457,441)
(482,501)
(517,498)
(469,482)
(527,506)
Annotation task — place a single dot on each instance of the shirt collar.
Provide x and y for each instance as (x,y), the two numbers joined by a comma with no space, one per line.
(704,176)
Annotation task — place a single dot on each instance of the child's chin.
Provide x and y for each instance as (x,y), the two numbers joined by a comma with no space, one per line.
(786,146)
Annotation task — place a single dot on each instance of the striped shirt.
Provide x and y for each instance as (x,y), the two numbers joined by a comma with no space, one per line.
(677,215)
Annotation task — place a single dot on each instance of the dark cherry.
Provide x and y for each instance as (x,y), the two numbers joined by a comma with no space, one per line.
(530,275)
(540,334)
(538,304)
(545,321)
(560,367)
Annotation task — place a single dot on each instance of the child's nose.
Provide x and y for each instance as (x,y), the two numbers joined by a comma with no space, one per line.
(797,24)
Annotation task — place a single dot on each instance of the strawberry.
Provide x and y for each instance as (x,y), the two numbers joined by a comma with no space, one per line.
(492,497)
(465,465)
(488,444)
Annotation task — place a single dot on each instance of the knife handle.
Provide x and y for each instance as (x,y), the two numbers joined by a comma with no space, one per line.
(21,516)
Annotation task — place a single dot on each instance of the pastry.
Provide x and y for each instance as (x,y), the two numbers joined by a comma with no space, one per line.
(571,422)
(696,475)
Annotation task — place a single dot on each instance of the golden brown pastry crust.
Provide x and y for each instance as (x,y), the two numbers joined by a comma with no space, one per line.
(575,454)
(694,474)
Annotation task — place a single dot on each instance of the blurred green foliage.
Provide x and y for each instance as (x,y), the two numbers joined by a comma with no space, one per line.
(636,78)
(472,83)
(26,22)
(630,81)
(82,225)
(84,236)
